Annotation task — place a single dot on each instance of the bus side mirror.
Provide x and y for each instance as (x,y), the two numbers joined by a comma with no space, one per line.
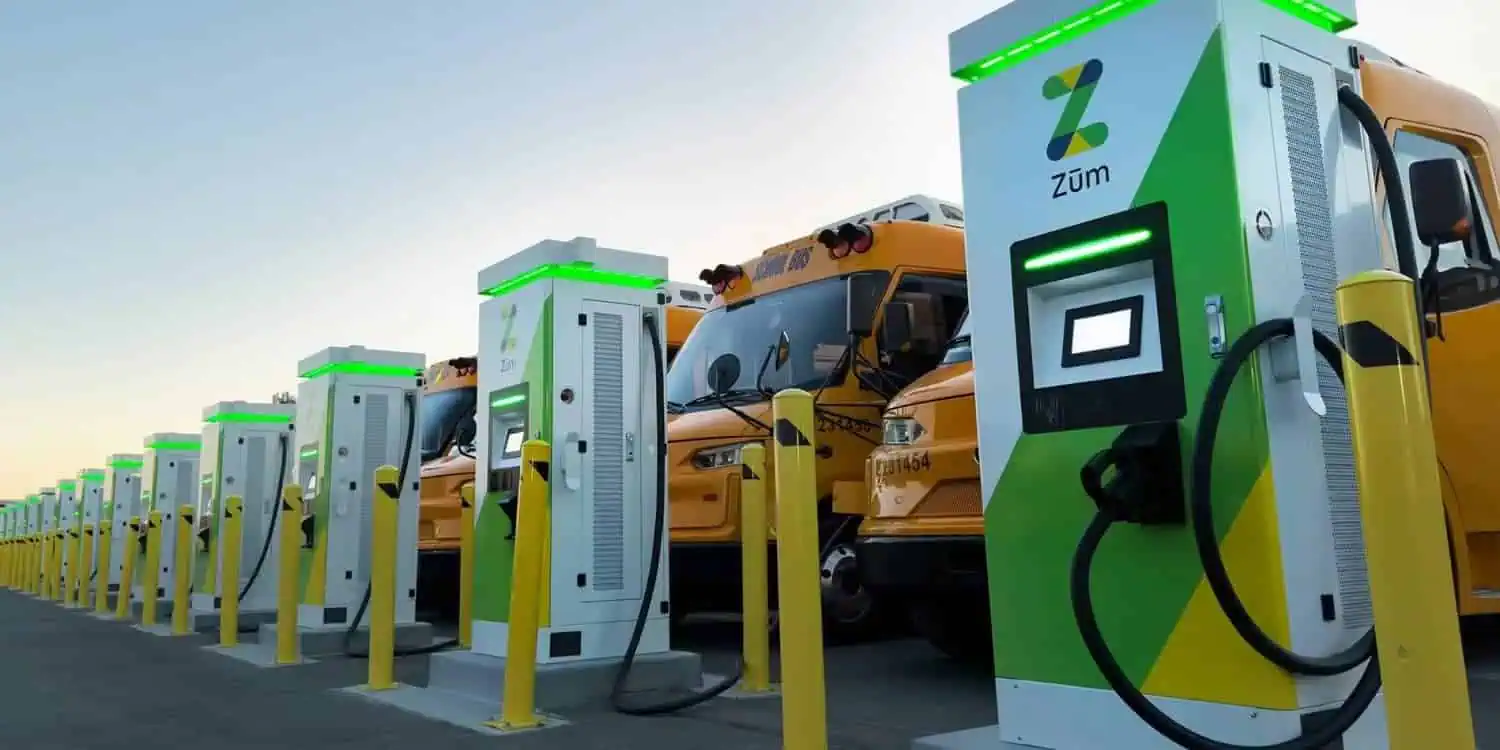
(467,430)
(895,330)
(863,292)
(1440,202)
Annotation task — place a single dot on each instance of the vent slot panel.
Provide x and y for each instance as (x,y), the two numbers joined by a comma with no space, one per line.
(1314,220)
(608,449)
(377,427)
(187,476)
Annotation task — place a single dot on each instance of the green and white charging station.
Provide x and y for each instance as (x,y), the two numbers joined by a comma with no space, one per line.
(122,495)
(572,343)
(357,409)
(169,480)
(91,505)
(247,451)
(1144,181)
(70,523)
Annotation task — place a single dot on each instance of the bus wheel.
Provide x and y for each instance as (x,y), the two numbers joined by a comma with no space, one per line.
(961,632)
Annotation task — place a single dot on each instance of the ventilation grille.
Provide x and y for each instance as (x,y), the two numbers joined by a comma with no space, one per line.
(1310,198)
(187,476)
(608,450)
(377,427)
(254,499)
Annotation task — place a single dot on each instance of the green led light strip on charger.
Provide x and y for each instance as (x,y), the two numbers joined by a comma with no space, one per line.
(1102,14)
(1087,249)
(582,271)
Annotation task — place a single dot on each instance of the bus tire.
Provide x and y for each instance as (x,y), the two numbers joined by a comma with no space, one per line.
(851,613)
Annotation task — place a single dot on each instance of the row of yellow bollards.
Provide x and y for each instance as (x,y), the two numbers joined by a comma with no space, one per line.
(33,564)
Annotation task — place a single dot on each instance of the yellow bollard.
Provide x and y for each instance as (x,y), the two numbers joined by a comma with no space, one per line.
(387,497)
(518,705)
(1406,544)
(101,582)
(73,551)
(288,555)
(229,580)
(86,568)
(804,715)
(466,566)
(152,573)
(753,545)
(54,566)
(127,571)
(182,571)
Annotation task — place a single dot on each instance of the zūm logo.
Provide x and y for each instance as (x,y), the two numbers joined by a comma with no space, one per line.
(507,339)
(1072,137)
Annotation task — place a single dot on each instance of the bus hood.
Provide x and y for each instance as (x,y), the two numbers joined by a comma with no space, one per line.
(949,381)
(448,465)
(719,423)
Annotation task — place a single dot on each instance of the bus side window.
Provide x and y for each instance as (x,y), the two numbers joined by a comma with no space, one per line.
(936,306)
(884,215)
(1413,147)
(912,212)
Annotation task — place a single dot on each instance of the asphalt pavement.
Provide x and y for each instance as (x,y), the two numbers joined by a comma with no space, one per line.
(71,682)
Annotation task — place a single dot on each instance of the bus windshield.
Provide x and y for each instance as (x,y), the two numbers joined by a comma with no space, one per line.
(441,414)
(959,349)
(812,315)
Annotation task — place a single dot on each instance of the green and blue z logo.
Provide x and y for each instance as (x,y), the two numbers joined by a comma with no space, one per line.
(1071,137)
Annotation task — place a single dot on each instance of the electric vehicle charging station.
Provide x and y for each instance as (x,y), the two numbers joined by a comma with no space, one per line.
(1154,206)
(357,409)
(169,480)
(571,335)
(70,525)
(122,495)
(91,504)
(47,500)
(246,452)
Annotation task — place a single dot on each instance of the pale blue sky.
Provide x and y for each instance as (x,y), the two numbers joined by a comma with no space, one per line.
(193,196)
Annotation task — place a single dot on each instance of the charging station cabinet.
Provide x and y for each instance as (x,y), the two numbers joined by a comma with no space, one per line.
(169,480)
(122,495)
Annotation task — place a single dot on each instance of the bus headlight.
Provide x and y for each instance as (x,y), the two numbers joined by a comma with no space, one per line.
(718,456)
(902,430)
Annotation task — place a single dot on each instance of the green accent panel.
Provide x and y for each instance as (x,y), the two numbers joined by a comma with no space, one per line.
(318,503)
(125,463)
(493,550)
(1143,578)
(67,485)
(175,445)
(91,476)
(582,271)
(224,417)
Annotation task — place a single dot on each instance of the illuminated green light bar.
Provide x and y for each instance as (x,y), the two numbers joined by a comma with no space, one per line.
(362,368)
(1086,250)
(309,453)
(225,417)
(581,270)
(175,445)
(67,485)
(1089,20)
(504,401)
(125,463)
(1316,14)
(91,476)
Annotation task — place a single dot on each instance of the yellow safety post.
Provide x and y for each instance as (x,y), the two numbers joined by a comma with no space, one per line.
(31,562)
(518,707)
(40,565)
(229,584)
(754,586)
(101,582)
(54,565)
(1406,543)
(182,571)
(804,714)
(383,579)
(74,551)
(152,573)
(287,559)
(466,566)
(86,567)
(127,570)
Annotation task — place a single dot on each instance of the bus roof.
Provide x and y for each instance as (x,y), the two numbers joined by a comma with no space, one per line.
(897,243)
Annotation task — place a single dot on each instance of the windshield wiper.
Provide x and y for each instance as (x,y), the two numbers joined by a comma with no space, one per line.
(720,398)
(675,408)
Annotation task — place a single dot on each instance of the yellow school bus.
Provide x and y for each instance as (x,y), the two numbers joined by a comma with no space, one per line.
(852,313)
